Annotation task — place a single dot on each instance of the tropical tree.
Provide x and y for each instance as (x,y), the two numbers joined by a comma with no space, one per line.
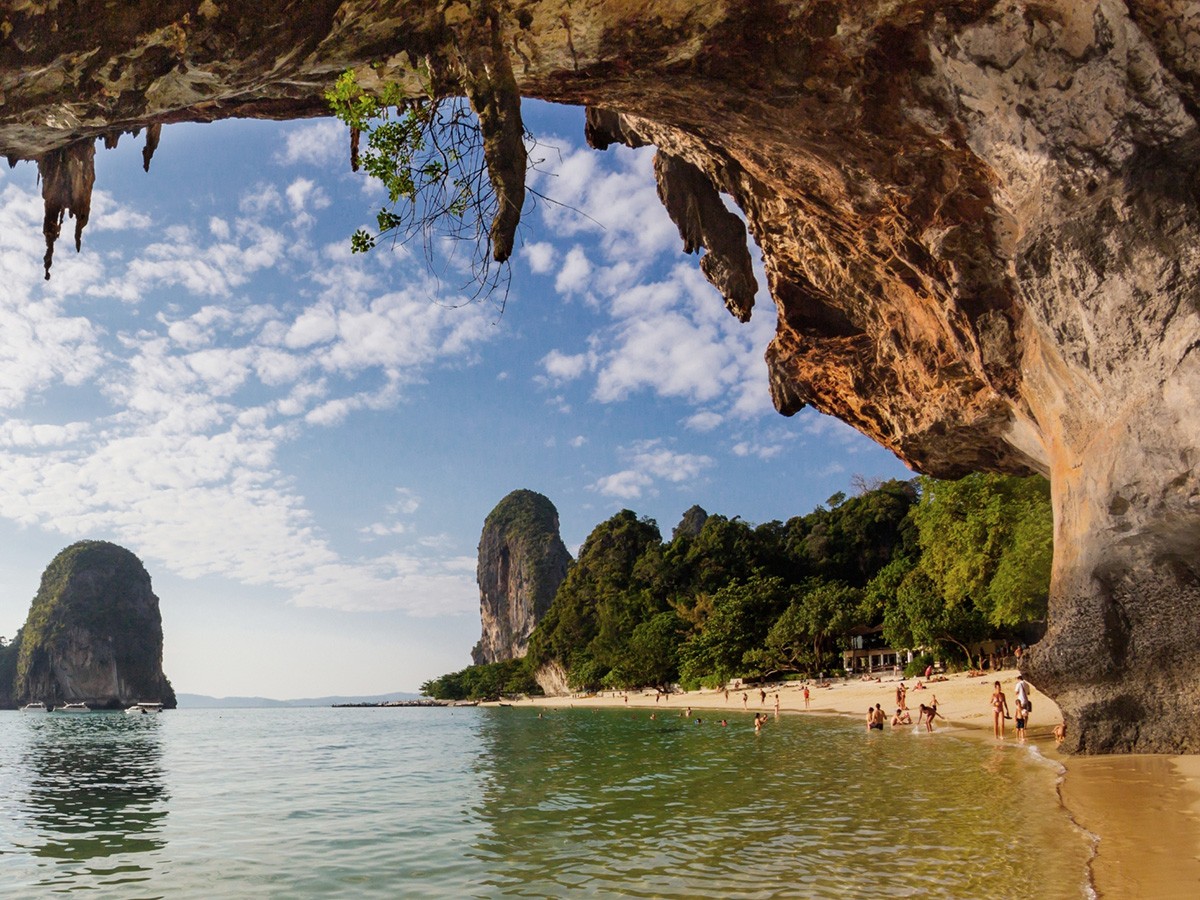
(742,614)
(987,541)
(919,616)
(601,601)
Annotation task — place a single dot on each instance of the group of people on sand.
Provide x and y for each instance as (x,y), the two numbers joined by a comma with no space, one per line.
(926,713)
(1000,708)
(1020,715)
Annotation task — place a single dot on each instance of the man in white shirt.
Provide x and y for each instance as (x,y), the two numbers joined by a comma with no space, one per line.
(1022,691)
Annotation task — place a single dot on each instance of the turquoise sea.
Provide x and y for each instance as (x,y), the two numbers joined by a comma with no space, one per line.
(359,803)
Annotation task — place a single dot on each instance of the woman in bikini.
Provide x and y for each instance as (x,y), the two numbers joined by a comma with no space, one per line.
(999,711)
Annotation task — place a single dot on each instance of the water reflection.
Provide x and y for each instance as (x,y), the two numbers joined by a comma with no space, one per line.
(613,803)
(89,796)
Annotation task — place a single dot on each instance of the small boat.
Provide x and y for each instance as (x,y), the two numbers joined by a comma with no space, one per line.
(144,708)
(72,708)
(39,706)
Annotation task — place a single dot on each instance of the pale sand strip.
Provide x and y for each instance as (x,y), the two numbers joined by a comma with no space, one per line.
(1145,810)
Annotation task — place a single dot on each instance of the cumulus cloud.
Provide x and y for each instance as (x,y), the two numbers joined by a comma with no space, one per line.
(575,274)
(303,195)
(611,198)
(540,255)
(704,420)
(566,367)
(649,463)
(322,143)
(668,333)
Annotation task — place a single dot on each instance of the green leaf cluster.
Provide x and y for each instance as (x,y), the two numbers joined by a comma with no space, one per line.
(427,152)
(981,567)
(490,681)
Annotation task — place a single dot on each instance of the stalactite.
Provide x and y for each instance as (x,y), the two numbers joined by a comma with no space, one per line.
(67,177)
(153,132)
(695,207)
(488,81)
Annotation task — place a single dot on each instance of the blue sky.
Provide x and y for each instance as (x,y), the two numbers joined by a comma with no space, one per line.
(302,444)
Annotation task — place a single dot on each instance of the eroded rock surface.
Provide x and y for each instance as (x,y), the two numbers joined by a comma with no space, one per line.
(522,561)
(978,220)
(94,633)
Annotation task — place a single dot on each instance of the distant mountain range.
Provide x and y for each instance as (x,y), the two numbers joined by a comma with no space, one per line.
(200,701)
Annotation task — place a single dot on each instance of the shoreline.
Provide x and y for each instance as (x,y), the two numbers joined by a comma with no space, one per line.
(1144,811)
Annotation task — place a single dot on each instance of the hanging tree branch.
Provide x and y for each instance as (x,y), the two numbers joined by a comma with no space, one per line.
(454,173)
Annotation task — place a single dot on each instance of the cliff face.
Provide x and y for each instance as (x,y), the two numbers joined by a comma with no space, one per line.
(522,561)
(978,218)
(94,632)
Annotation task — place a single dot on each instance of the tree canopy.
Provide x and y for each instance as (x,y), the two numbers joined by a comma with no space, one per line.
(939,565)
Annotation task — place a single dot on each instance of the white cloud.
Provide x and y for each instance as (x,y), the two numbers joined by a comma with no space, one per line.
(323,143)
(40,345)
(575,273)
(303,195)
(540,255)
(316,325)
(106,215)
(762,451)
(563,367)
(24,434)
(627,484)
(703,421)
(650,462)
(611,197)
(668,333)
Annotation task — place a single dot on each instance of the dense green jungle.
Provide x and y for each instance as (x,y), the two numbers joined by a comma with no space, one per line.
(939,566)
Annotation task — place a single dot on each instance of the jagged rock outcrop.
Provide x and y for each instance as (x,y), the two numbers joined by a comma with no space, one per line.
(522,561)
(94,633)
(978,220)
(691,523)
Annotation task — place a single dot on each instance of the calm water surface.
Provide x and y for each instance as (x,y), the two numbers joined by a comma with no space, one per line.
(295,803)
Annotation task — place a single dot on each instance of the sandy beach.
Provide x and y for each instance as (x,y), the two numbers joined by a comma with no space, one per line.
(1143,810)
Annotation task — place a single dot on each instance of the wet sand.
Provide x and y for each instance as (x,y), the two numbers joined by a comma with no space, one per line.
(1143,810)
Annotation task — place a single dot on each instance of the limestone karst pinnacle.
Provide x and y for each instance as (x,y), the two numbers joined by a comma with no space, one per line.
(522,561)
(94,633)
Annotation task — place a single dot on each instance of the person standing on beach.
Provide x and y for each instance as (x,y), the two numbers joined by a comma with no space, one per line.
(744,699)
(999,711)
(777,704)
(1019,721)
(806,696)
(1022,691)
(762,697)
